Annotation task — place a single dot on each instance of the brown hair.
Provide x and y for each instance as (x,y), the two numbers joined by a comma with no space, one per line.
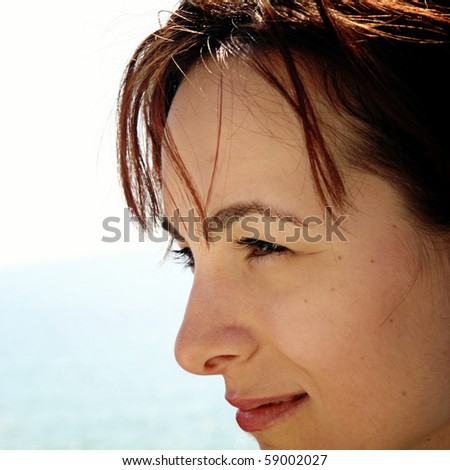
(385,64)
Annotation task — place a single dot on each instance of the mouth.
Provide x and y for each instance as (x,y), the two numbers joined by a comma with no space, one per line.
(255,415)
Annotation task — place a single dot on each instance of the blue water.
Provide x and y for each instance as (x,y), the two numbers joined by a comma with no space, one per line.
(86,361)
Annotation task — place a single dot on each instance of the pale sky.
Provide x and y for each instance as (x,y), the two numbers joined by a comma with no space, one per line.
(62,64)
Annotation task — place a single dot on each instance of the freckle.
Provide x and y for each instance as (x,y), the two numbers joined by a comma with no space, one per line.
(391,320)
(404,393)
(332,289)
(372,260)
(339,257)
(363,358)
(306,301)
(394,226)
(429,439)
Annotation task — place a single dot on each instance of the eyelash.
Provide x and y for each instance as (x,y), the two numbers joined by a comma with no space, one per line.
(185,254)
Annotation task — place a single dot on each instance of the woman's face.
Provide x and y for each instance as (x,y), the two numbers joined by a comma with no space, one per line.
(327,336)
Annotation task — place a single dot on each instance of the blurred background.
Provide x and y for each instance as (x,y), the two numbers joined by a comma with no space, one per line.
(86,327)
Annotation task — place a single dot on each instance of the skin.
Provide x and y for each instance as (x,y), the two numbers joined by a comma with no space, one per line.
(362,325)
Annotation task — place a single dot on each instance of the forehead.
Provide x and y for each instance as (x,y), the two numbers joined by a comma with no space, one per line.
(237,136)
(236,84)
(235,100)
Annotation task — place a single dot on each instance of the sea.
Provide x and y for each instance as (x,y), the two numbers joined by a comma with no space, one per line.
(86,360)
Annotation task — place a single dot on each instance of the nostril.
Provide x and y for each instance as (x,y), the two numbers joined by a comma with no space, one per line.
(218,361)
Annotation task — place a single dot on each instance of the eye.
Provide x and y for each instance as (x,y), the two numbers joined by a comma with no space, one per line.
(258,248)
(183,256)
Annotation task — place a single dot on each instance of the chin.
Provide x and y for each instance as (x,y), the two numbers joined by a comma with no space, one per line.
(276,444)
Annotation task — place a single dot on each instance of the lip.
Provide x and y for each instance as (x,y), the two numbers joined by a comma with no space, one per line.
(259,414)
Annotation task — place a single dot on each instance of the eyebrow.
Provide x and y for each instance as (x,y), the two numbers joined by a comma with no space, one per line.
(242,209)
(237,212)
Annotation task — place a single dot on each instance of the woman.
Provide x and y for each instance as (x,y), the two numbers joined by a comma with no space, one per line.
(297,152)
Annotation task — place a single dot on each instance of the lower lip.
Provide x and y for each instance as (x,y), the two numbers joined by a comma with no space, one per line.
(264,417)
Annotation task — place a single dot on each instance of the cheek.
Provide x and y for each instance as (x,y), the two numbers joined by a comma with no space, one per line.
(336,316)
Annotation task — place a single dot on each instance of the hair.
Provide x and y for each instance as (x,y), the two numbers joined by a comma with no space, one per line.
(384,66)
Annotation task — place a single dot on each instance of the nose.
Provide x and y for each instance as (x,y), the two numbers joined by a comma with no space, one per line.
(216,333)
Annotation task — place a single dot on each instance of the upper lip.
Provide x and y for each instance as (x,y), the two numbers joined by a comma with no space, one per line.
(247,404)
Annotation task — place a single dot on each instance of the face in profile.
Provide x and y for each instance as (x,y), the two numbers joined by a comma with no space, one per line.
(327,336)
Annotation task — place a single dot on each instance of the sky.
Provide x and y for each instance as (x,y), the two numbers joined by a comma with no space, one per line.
(62,65)
(61,72)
